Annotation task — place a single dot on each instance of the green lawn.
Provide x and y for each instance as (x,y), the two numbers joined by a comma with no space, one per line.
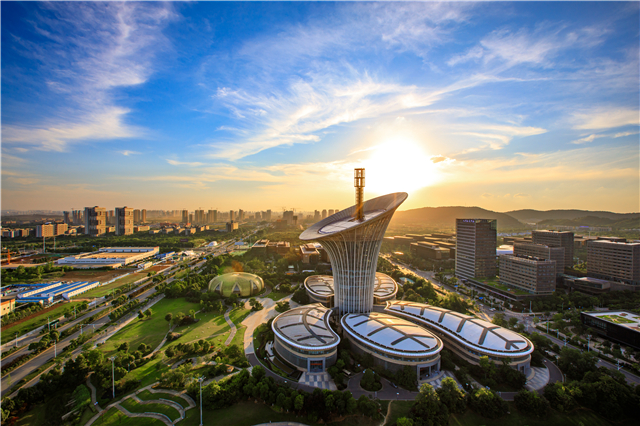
(617,319)
(105,289)
(276,295)
(150,331)
(494,282)
(9,331)
(35,416)
(148,396)
(580,417)
(117,417)
(135,407)
(148,373)
(250,413)
(398,409)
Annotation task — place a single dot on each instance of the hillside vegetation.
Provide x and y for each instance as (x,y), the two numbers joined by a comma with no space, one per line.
(446,216)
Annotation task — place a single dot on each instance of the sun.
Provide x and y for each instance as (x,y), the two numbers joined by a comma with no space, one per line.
(399,165)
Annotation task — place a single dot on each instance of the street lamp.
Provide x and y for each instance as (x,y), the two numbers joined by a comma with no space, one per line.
(200,380)
(113,377)
(16,339)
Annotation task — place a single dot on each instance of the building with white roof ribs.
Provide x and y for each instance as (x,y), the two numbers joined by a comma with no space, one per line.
(394,342)
(468,337)
(320,288)
(304,338)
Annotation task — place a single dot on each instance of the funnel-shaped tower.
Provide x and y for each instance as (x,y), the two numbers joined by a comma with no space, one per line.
(353,246)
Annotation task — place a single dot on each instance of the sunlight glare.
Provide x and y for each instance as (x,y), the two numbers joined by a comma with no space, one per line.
(399,165)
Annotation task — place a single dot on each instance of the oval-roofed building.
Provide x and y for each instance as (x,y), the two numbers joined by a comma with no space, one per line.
(243,284)
(320,289)
(394,342)
(467,336)
(304,338)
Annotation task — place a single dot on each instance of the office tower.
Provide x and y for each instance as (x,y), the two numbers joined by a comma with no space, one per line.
(324,213)
(352,238)
(67,217)
(476,248)
(185,216)
(541,251)
(240,214)
(95,221)
(614,261)
(287,217)
(316,216)
(531,274)
(231,215)
(143,216)
(124,220)
(556,239)
(268,217)
(136,217)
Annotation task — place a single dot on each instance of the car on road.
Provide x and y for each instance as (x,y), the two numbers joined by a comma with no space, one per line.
(394,385)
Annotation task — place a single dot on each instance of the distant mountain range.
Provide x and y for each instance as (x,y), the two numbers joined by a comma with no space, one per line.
(529,215)
(446,217)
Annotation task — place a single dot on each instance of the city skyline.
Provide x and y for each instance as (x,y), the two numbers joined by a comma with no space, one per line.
(167,106)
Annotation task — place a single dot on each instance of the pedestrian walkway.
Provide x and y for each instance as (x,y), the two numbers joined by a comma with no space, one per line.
(318,380)
(94,399)
(232,326)
(538,378)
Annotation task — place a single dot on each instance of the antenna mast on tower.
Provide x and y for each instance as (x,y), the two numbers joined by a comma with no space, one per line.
(358,182)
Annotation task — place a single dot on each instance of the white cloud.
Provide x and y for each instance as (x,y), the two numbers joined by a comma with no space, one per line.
(497,136)
(592,137)
(184,163)
(89,49)
(126,152)
(606,118)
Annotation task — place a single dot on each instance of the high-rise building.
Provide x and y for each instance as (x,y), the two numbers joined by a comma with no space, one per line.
(476,241)
(331,211)
(287,216)
(614,261)
(541,251)
(268,216)
(60,228)
(67,217)
(191,218)
(324,213)
(185,216)
(352,238)
(136,216)
(556,239)
(95,221)
(316,216)
(240,214)
(198,217)
(46,230)
(232,215)
(78,217)
(531,274)
(124,220)
(232,226)
(143,215)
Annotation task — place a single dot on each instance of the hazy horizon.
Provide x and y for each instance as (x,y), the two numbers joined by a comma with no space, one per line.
(502,106)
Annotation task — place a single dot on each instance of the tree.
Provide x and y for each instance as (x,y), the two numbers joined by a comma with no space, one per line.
(140,314)
(124,347)
(575,363)
(404,421)
(428,409)
(168,317)
(170,352)
(531,404)
(298,403)
(487,403)
(452,396)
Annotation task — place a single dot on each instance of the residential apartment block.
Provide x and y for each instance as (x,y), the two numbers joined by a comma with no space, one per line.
(125,220)
(95,221)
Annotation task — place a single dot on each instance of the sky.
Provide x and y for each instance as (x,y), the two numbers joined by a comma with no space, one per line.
(261,106)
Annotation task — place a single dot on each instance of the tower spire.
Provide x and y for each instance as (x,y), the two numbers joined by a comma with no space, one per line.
(358,182)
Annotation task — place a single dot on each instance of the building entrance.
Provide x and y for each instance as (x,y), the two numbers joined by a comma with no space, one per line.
(316,366)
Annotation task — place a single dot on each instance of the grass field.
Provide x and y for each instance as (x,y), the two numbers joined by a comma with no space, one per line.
(148,373)
(116,417)
(580,417)
(148,396)
(105,289)
(150,331)
(134,407)
(398,409)
(35,416)
(276,295)
(9,331)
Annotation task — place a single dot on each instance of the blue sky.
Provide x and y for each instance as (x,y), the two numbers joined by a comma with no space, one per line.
(269,105)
